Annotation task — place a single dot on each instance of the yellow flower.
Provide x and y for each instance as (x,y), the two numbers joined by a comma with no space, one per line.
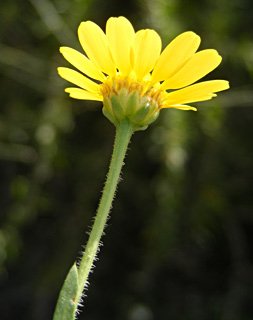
(127,71)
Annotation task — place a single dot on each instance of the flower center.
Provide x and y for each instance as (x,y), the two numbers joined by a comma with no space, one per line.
(143,88)
(126,98)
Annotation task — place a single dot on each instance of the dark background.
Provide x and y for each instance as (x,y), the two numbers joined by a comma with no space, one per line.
(179,241)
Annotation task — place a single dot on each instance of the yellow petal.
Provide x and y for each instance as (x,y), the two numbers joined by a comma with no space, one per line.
(175,55)
(120,34)
(197,67)
(83,94)
(145,52)
(82,63)
(78,79)
(197,92)
(180,107)
(95,44)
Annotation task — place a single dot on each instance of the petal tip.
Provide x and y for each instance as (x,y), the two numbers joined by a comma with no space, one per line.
(59,70)
(69,92)
(62,49)
(227,85)
(81,26)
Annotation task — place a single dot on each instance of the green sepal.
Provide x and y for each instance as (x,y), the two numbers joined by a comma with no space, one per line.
(151,119)
(117,108)
(66,304)
(138,128)
(132,103)
(140,111)
(141,114)
(109,116)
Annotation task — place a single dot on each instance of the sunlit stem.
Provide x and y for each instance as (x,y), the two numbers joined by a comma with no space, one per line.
(123,134)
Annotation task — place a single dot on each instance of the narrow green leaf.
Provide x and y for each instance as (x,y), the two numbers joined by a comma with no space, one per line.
(66,304)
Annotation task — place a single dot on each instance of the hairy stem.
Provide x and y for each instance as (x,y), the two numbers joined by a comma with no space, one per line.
(123,134)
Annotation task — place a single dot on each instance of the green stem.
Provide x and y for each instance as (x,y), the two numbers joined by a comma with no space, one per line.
(123,134)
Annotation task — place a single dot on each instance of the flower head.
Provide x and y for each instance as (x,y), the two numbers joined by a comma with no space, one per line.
(134,79)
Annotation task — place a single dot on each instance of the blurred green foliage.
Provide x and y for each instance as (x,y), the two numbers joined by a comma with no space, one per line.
(179,242)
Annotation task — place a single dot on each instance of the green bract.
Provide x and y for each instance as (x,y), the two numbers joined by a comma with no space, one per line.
(139,110)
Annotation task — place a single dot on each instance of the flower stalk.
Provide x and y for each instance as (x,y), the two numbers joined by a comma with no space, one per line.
(123,134)
(70,301)
(134,79)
